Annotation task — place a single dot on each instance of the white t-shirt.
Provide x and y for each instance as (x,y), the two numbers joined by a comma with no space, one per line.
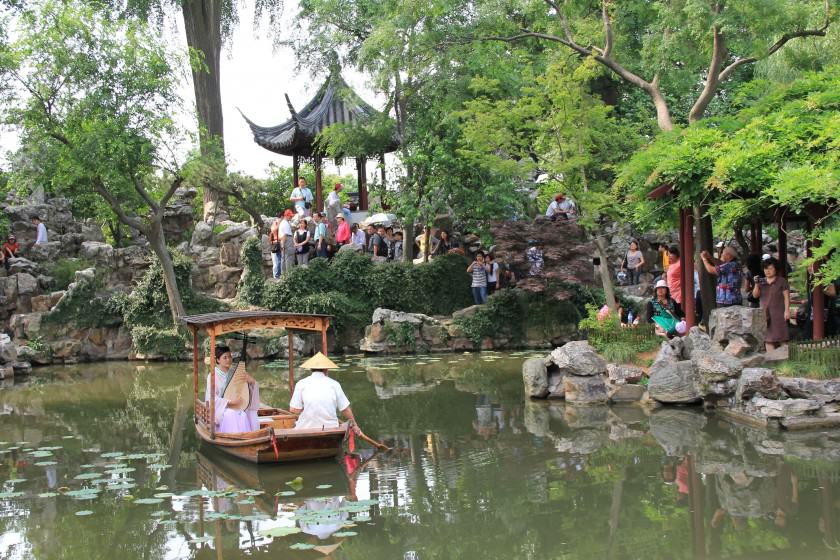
(494,269)
(359,238)
(42,234)
(552,208)
(319,397)
(333,199)
(285,228)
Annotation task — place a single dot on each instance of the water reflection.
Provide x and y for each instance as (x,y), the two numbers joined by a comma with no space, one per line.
(476,471)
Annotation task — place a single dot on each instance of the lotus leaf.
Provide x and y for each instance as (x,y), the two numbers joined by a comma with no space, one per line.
(296,483)
(148,501)
(15,480)
(88,476)
(11,494)
(84,512)
(301,546)
(279,531)
(164,495)
(345,534)
(323,486)
(45,463)
(286,493)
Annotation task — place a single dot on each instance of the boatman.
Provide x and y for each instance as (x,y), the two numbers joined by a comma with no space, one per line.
(317,398)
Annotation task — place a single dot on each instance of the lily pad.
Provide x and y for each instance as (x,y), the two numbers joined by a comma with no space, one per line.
(279,531)
(148,501)
(323,486)
(159,466)
(123,470)
(345,534)
(11,494)
(84,494)
(88,476)
(286,493)
(160,513)
(199,540)
(45,463)
(296,483)
(84,512)
(48,495)
(15,480)
(301,546)
(42,453)
(164,495)
(121,486)
(112,454)
(88,466)
(67,437)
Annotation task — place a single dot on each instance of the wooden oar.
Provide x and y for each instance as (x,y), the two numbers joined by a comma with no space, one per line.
(373,442)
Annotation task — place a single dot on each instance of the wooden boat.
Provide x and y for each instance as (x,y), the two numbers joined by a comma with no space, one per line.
(277,440)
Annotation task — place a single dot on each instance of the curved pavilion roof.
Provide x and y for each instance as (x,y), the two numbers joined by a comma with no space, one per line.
(334,102)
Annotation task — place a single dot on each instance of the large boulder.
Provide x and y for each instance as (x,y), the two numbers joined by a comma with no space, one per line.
(382,315)
(231,230)
(745,323)
(535,377)
(676,383)
(696,341)
(625,393)
(579,358)
(585,390)
(820,390)
(758,381)
(202,234)
(783,409)
(620,374)
(8,350)
(716,366)
(100,253)
(26,284)
(556,386)
(670,352)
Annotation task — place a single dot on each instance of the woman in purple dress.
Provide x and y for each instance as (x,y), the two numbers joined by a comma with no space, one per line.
(228,418)
(773,293)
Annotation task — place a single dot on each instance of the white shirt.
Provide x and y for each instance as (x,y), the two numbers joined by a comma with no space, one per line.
(285,228)
(552,208)
(332,199)
(359,238)
(42,234)
(319,397)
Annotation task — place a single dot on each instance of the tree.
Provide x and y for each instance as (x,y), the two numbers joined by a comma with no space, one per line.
(96,97)
(207,23)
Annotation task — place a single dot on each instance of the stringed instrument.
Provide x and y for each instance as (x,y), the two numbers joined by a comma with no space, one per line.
(237,387)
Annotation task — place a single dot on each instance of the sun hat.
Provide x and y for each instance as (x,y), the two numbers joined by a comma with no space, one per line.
(319,361)
(766,257)
(661,284)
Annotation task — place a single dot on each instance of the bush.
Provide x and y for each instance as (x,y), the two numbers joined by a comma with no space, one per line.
(169,343)
(85,306)
(503,314)
(63,271)
(252,283)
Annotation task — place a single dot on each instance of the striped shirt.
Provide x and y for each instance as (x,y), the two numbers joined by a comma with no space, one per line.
(479,276)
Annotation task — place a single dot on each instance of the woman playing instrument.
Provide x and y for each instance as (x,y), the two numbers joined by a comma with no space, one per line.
(229,419)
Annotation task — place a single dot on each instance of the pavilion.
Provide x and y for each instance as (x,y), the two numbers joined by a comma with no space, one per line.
(334,103)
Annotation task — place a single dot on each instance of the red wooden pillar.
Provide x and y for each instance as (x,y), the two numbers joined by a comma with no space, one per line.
(319,190)
(817,300)
(291,339)
(687,267)
(361,178)
(783,261)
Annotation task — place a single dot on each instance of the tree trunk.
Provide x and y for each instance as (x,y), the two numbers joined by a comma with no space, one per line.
(705,242)
(606,279)
(203,26)
(408,242)
(158,244)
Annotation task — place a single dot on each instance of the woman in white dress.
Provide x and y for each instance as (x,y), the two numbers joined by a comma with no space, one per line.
(228,418)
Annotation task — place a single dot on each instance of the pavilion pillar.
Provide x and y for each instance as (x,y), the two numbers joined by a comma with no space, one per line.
(783,260)
(755,237)
(295,170)
(361,179)
(817,296)
(687,267)
(319,189)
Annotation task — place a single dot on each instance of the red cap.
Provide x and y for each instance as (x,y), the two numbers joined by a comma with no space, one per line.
(338,186)
(288,213)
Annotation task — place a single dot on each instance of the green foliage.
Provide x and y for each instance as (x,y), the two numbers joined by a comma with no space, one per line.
(502,315)
(167,342)
(617,343)
(350,287)
(252,282)
(64,270)
(85,305)
(401,335)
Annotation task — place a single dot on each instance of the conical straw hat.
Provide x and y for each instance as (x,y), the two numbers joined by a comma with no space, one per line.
(319,361)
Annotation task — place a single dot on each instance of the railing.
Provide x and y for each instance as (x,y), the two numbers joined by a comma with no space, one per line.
(824,352)
(202,413)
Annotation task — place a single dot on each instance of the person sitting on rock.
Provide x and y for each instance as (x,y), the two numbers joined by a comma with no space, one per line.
(9,251)
(317,398)
(664,312)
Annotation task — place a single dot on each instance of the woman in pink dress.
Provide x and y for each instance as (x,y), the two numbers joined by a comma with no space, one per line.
(228,418)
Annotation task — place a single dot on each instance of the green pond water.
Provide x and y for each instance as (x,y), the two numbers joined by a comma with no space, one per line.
(102,461)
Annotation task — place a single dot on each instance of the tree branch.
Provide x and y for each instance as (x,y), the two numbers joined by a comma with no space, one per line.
(176,184)
(608,34)
(698,109)
(144,194)
(783,40)
(130,221)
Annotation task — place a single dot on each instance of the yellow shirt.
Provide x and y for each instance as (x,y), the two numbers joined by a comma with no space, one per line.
(665,260)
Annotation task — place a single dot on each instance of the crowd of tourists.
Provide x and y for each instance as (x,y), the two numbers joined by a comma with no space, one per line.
(760,283)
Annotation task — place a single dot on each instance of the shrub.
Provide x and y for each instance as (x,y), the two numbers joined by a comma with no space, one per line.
(63,271)
(169,343)
(401,335)
(85,306)
(503,314)
(252,283)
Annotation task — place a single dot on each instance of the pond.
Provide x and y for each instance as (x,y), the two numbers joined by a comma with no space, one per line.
(102,461)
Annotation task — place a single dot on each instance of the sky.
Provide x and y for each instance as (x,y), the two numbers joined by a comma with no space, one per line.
(254,77)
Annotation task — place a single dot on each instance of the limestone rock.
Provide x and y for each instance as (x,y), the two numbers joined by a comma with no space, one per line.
(723,388)
(432,334)
(229,254)
(625,393)
(670,352)
(752,361)
(466,312)
(556,388)
(745,323)
(783,409)
(579,358)
(758,381)
(351,247)
(26,284)
(375,332)
(536,418)
(583,417)
(202,234)
(45,252)
(585,390)
(8,350)
(620,374)
(535,377)
(21,264)
(738,347)
(820,390)
(41,303)
(675,383)
(714,367)
(382,315)
(100,253)
(231,230)
(777,355)
(696,341)
(21,368)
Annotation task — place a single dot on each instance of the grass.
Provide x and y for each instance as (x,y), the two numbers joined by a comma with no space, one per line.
(797,368)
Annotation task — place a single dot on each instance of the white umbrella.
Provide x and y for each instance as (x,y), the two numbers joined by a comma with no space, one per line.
(380,218)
